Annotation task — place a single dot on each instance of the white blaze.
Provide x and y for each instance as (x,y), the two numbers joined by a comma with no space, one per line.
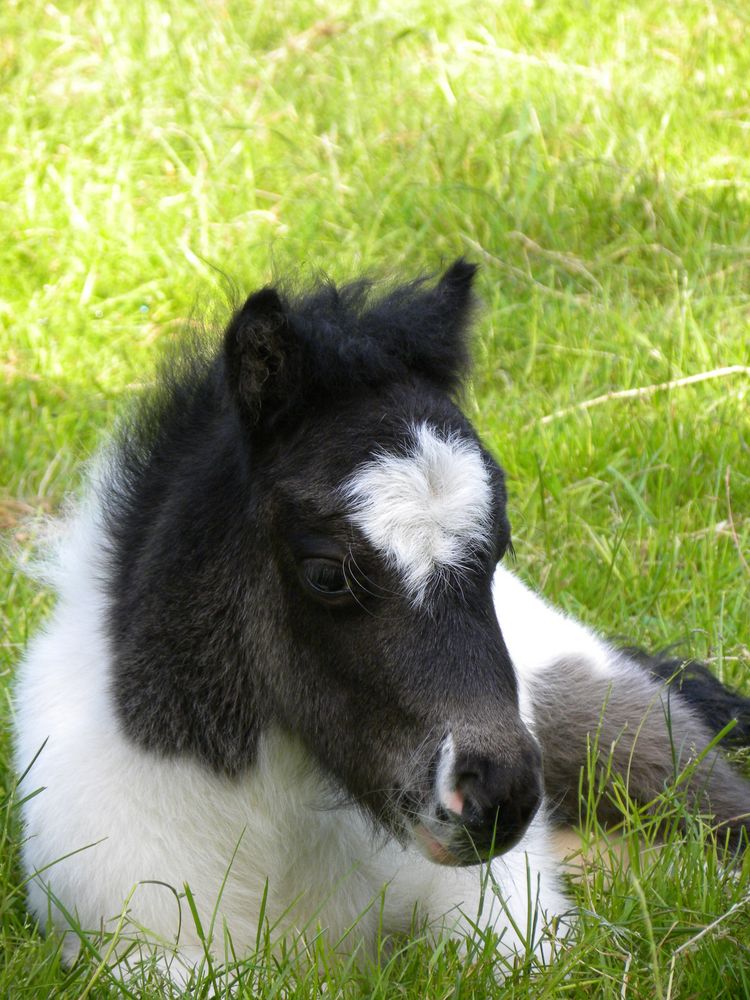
(425,510)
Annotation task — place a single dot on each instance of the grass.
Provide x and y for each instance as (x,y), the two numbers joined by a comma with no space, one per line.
(592,156)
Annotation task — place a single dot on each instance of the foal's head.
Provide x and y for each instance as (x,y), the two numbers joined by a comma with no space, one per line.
(380,519)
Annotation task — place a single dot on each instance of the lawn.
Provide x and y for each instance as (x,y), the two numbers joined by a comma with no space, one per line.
(593,157)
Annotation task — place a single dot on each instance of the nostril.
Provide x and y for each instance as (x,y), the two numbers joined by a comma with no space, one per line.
(472,772)
(471,775)
(482,788)
(462,794)
(498,800)
(469,785)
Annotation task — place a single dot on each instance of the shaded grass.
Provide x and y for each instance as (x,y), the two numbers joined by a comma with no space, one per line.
(592,156)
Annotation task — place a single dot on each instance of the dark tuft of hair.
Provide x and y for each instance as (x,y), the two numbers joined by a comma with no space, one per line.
(715,703)
(286,352)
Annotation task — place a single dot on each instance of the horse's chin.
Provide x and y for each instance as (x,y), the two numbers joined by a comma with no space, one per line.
(457,852)
(437,851)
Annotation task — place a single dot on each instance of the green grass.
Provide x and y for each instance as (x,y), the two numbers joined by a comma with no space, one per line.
(592,156)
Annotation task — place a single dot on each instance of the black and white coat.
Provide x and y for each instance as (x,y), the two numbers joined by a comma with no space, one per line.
(285,663)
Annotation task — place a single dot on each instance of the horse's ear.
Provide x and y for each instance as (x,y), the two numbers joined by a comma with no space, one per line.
(458,280)
(455,292)
(260,353)
(439,328)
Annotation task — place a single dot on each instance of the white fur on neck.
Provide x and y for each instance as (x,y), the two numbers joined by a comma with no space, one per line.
(112,821)
(539,636)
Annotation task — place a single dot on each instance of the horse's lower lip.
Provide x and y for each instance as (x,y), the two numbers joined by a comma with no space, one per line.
(462,854)
(433,849)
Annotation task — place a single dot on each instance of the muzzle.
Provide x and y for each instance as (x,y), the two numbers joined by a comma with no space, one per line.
(481,804)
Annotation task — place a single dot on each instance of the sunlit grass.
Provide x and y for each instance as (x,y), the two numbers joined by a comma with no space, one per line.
(592,157)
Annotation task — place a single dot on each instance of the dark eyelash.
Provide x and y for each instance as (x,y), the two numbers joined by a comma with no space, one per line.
(325,579)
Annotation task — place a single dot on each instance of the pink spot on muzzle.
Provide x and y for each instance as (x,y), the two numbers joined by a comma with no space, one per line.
(453,801)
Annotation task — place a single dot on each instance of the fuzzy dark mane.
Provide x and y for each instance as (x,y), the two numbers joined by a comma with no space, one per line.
(352,336)
(285,353)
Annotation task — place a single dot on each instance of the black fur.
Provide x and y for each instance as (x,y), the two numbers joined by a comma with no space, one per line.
(335,342)
(715,703)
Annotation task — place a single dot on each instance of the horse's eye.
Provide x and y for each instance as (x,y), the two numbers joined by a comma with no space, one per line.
(325,579)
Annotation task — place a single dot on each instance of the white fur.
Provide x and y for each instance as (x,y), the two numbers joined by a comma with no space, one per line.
(424,510)
(448,795)
(113,820)
(539,636)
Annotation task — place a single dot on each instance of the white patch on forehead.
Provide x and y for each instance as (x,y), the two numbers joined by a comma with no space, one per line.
(425,510)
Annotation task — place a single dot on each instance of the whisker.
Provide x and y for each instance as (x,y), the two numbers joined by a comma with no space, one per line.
(379,586)
(353,591)
(350,576)
(373,593)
